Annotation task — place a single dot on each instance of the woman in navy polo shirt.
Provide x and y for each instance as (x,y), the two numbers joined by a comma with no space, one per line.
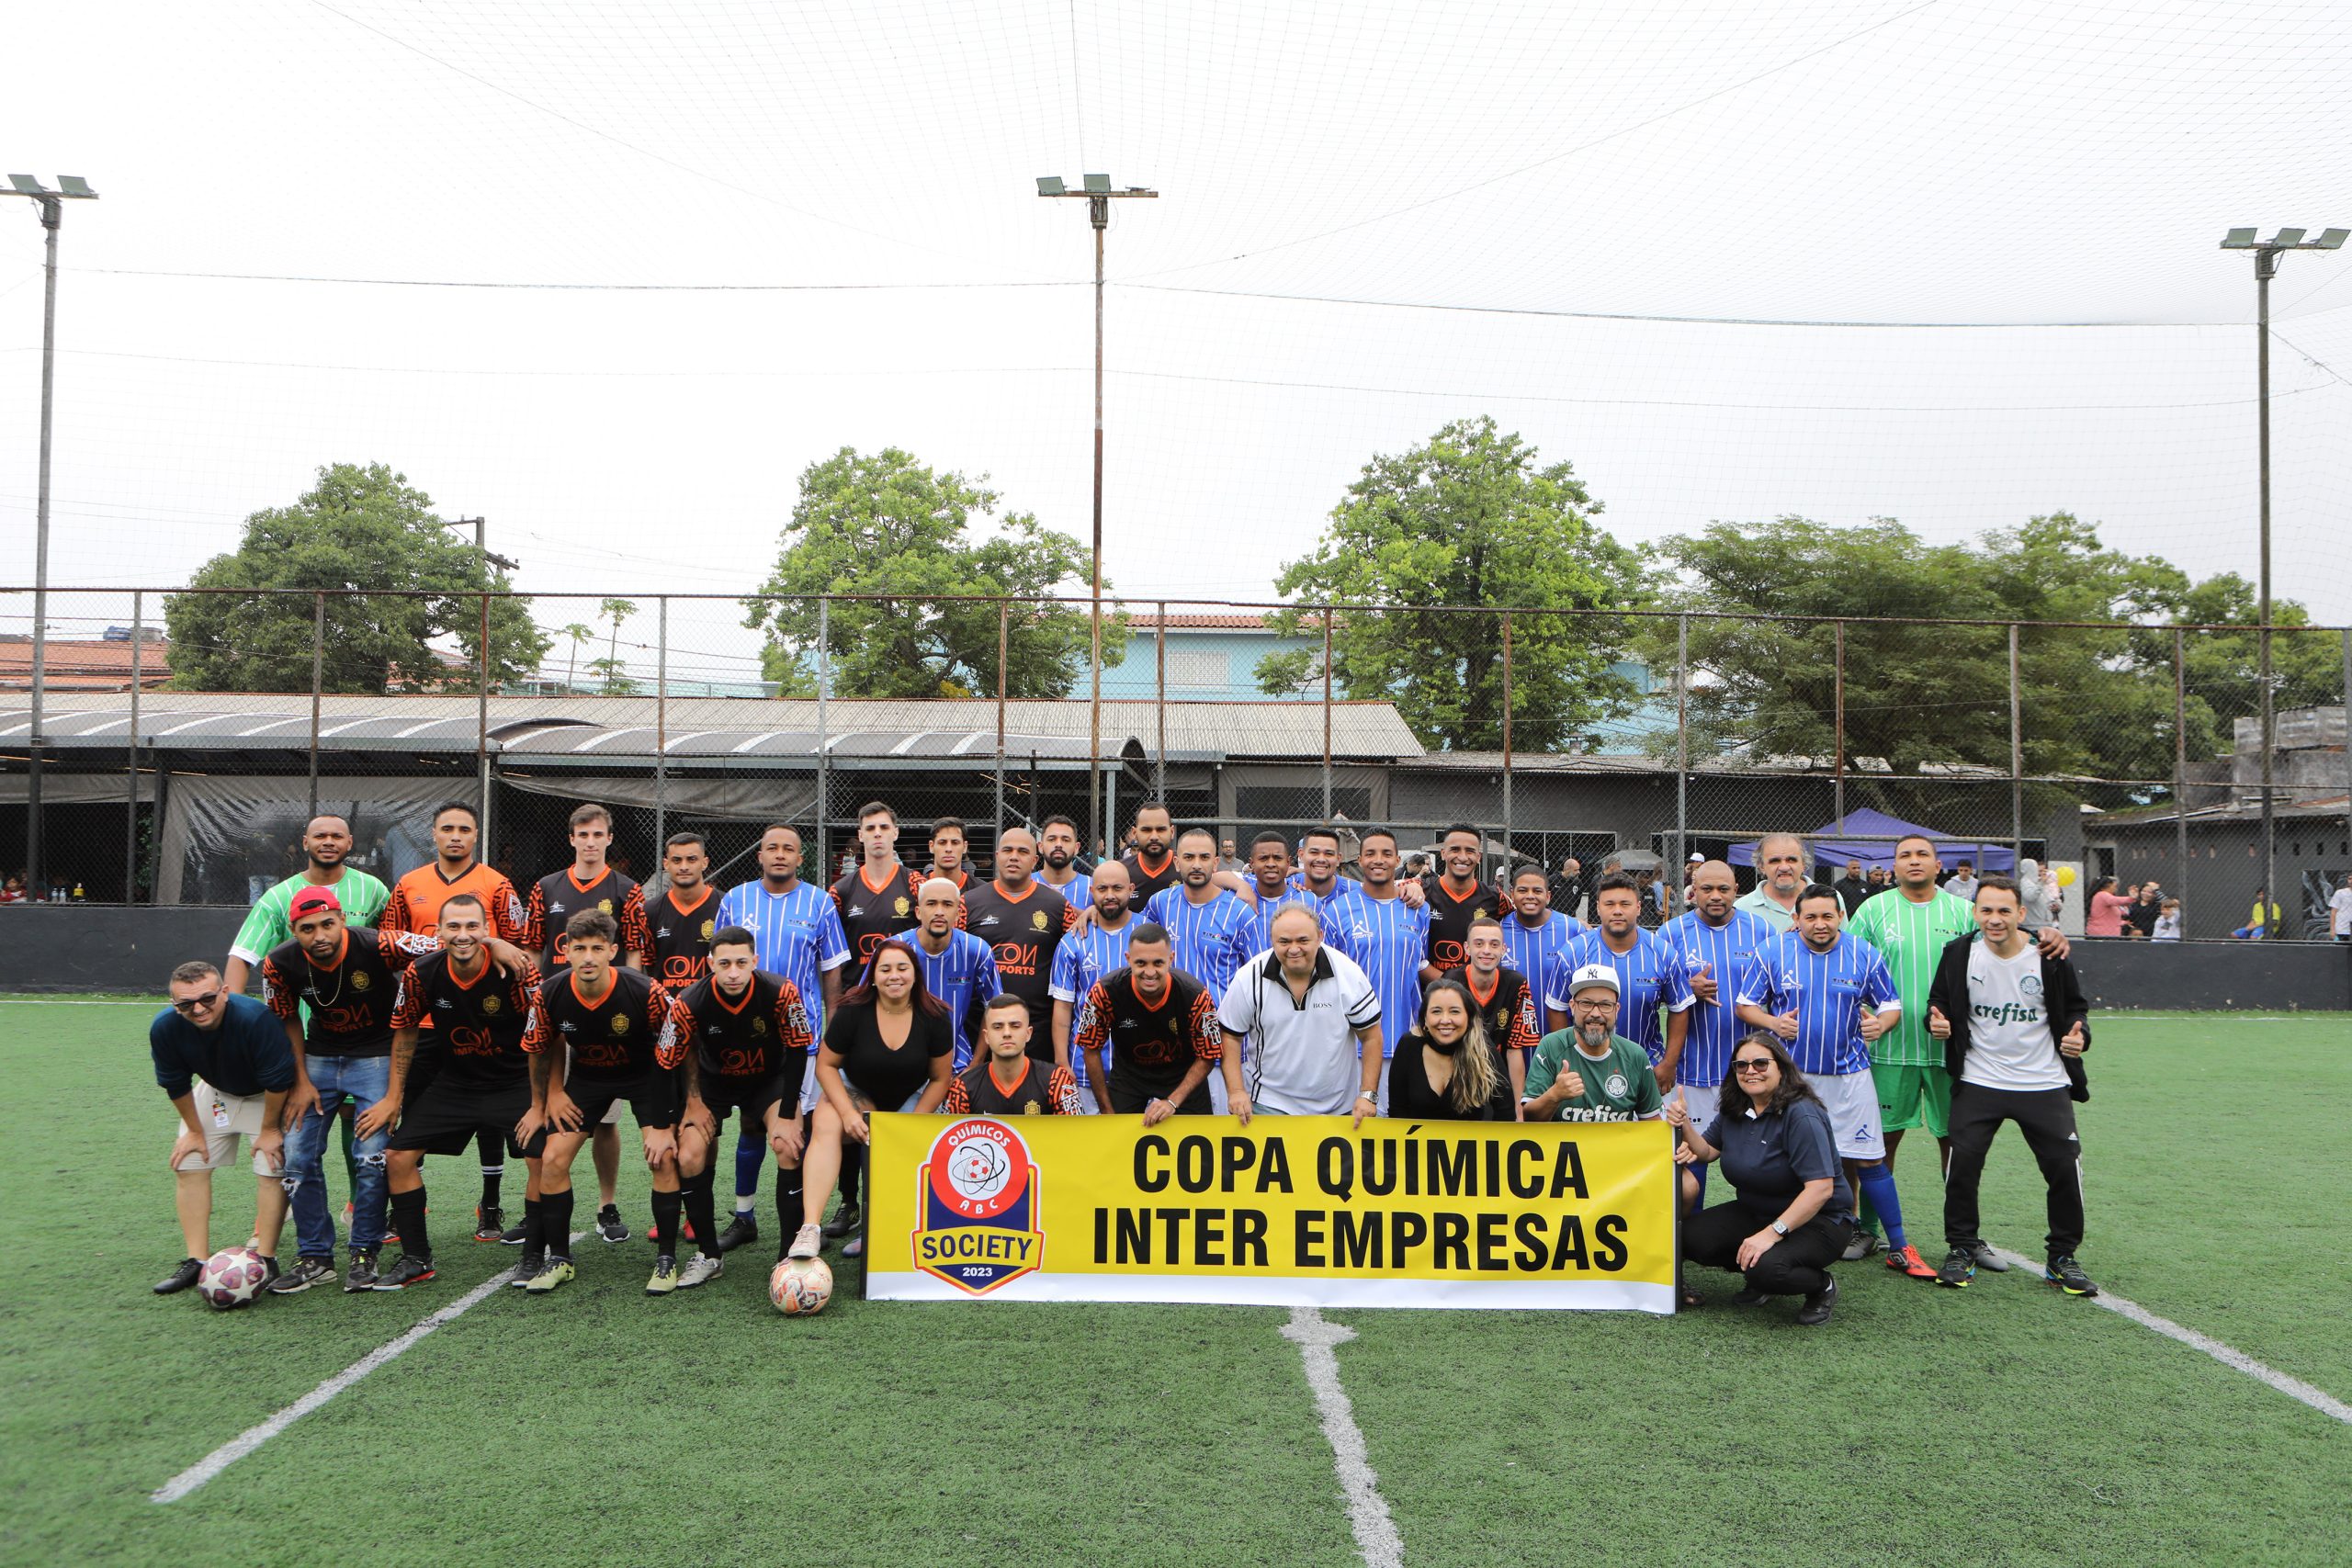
(1791,1211)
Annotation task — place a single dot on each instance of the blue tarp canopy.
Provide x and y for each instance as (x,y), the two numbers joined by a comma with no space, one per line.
(1870,837)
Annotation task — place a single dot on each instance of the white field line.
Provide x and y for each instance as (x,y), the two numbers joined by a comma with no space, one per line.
(1376,1532)
(245,1442)
(2318,1399)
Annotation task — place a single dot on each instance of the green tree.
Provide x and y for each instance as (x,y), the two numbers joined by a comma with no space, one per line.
(363,530)
(578,632)
(1468,517)
(885,523)
(612,665)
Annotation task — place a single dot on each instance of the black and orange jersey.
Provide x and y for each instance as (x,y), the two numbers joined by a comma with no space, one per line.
(1149,879)
(617,1039)
(477,1024)
(1152,1045)
(1450,918)
(350,1001)
(559,895)
(1040,1090)
(872,913)
(752,1050)
(679,937)
(417,899)
(1024,931)
(1509,1010)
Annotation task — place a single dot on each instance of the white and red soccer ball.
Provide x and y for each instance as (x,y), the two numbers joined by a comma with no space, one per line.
(800,1286)
(231,1277)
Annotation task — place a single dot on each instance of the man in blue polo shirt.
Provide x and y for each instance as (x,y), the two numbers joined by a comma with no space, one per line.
(227,1066)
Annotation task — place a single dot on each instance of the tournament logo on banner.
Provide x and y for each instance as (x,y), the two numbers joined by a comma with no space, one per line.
(977,1202)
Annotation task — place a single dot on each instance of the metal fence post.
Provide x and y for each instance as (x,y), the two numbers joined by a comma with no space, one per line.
(2016,759)
(824,680)
(1003,658)
(2346,695)
(318,681)
(2180,767)
(482,735)
(1507,818)
(131,821)
(1837,678)
(1681,740)
(1160,704)
(1327,715)
(661,726)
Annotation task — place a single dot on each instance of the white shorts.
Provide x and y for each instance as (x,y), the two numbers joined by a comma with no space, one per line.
(1702,1100)
(1852,1100)
(226,1118)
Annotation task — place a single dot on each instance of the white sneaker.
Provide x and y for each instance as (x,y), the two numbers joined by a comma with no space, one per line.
(809,1242)
(699,1268)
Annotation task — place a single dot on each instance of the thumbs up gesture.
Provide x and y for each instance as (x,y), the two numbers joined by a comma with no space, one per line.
(1702,983)
(1786,1025)
(2073,1044)
(1937,1024)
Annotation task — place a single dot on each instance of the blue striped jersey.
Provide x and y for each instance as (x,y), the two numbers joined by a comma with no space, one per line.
(1085,956)
(1209,942)
(1829,991)
(1077,892)
(1728,952)
(1262,918)
(1538,953)
(1340,886)
(1645,983)
(795,936)
(960,978)
(1389,941)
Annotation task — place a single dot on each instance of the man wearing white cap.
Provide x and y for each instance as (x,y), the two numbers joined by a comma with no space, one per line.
(1589,1072)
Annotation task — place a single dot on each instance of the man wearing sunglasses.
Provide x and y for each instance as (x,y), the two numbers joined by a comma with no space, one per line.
(226,1063)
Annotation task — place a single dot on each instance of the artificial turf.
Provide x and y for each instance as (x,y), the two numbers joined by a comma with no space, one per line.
(2001,1423)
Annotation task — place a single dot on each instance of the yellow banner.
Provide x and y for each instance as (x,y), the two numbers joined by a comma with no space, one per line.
(1289,1212)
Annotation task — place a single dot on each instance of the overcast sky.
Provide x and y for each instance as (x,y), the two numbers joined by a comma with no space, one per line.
(1950,262)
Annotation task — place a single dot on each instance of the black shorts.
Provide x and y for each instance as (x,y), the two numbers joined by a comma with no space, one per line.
(652,1100)
(447,1116)
(1129,1097)
(751,1099)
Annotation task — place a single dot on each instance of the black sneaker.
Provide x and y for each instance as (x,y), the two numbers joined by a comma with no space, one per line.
(529,1269)
(1815,1310)
(407,1269)
(744,1227)
(844,1221)
(180,1278)
(1749,1296)
(489,1223)
(609,1226)
(1987,1259)
(1959,1267)
(306,1272)
(361,1274)
(515,1236)
(2068,1276)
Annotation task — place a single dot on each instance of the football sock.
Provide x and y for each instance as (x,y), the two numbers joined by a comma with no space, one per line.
(555,1219)
(1700,1172)
(1866,1214)
(1878,1190)
(665,1222)
(408,1223)
(852,1162)
(751,1152)
(787,1204)
(535,1228)
(493,1148)
(696,1190)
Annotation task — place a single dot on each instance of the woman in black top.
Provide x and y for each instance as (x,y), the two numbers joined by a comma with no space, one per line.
(889,1046)
(1791,1213)
(1443,1070)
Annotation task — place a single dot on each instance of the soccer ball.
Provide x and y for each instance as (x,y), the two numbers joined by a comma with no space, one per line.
(231,1277)
(800,1286)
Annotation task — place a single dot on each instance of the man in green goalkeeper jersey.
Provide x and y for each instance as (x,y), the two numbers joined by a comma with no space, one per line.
(1909,924)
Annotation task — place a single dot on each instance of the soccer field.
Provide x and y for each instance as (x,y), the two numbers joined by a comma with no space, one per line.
(2000,1424)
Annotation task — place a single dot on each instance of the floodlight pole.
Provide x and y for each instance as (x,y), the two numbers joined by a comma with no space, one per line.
(2267,254)
(51,204)
(1098,195)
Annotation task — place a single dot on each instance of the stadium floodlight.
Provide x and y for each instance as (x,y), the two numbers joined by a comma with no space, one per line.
(2267,256)
(71,187)
(1098,196)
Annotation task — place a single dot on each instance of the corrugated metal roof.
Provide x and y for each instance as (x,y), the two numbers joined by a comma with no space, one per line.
(545,726)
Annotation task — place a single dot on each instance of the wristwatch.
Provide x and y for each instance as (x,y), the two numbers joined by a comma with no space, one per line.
(1780,1229)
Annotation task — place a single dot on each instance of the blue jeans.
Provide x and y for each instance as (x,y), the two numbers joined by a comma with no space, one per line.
(362,1080)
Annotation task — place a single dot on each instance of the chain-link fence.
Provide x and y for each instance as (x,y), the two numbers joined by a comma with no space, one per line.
(179,739)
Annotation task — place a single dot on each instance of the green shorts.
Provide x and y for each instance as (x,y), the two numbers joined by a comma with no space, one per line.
(1913,1097)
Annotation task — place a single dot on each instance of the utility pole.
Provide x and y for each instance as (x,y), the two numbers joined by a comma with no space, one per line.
(2266,254)
(51,204)
(1098,196)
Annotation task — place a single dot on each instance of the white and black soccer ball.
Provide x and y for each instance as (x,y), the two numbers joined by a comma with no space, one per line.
(799,1287)
(231,1277)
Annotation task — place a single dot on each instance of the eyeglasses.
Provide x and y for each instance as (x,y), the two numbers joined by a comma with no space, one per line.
(196,1004)
(1751,1064)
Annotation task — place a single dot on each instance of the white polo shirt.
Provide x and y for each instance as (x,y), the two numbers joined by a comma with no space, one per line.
(1301,1057)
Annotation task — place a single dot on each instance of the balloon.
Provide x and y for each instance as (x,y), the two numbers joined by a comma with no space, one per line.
(2066,876)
